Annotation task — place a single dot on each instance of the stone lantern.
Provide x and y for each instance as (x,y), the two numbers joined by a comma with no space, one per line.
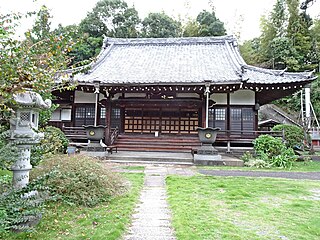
(23,133)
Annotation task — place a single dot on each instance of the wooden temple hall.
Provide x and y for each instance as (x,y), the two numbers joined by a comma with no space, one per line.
(164,89)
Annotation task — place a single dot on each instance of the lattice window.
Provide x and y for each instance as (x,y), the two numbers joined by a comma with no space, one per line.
(236,114)
(90,112)
(220,114)
(80,112)
(115,113)
(25,117)
(247,114)
(103,113)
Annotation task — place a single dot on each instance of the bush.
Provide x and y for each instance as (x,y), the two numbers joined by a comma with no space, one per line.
(294,136)
(273,151)
(54,142)
(20,210)
(257,163)
(246,157)
(8,152)
(80,180)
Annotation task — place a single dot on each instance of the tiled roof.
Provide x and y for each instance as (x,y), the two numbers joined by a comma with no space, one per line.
(178,61)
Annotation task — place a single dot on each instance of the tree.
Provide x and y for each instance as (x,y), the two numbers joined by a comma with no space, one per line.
(284,54)
(250,51)
(286,40)
(160,25)
(272,27)
(191,28)
(298,31)
(32,63)
(210,25)
(315,33)
(111,18)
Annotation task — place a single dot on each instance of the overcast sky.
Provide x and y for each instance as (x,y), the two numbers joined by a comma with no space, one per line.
(238,15)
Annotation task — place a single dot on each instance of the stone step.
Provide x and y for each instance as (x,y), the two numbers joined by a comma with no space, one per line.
(159,157)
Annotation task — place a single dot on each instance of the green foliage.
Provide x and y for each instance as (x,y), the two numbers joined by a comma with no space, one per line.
(191,28)
(284,54)
(160,25)
(80,180)
(31,63)
(54,142)
(293,135)
(21,208)
(257,163)
(246,157)
(105,221)
(210,25)
(111,18)
(287,38)
(250,51)
(273,151)
(8,152)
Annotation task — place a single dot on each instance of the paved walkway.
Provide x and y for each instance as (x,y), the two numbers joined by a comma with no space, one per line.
(152,217)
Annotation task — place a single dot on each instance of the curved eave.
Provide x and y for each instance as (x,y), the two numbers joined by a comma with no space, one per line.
(266,93)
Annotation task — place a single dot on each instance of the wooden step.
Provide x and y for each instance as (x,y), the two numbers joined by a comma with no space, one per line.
(132,142)
(156,144)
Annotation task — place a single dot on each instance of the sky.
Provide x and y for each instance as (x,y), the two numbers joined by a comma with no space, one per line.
(238,15)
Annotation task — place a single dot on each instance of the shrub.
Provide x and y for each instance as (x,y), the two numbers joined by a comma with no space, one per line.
(246,157)
(54,142)
(273,151)
(80,180)
(21,209)
(257,163)
(294,136)
(268,145)
(8,152)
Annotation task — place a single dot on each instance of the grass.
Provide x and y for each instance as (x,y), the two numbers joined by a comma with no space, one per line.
(106,221)
(244,208)
(310,166)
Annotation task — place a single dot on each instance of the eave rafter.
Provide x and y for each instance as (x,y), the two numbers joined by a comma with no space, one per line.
(221,88)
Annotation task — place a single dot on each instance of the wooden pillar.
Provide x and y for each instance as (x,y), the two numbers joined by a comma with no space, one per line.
(228,115)
(96,107)
(73,109)
(203,113)
(108,121)
(256,114)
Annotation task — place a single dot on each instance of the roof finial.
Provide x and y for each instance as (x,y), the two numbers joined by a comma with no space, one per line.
(283,71)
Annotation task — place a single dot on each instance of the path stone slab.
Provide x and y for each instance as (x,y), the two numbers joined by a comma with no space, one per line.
(152,217)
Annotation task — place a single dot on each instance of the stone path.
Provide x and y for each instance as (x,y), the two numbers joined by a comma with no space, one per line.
(152,217)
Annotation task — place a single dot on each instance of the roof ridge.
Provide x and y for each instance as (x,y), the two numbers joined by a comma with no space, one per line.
(180,40)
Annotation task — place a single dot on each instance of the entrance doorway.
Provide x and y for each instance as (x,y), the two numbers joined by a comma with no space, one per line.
(162,119)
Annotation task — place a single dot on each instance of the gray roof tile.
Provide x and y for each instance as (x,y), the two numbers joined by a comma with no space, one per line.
(178,61)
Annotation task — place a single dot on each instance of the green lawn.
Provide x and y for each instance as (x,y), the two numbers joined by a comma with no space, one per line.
(311,166)
(207,207)
(106,221)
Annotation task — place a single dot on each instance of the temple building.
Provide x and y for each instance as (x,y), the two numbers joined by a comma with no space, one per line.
(168,87)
